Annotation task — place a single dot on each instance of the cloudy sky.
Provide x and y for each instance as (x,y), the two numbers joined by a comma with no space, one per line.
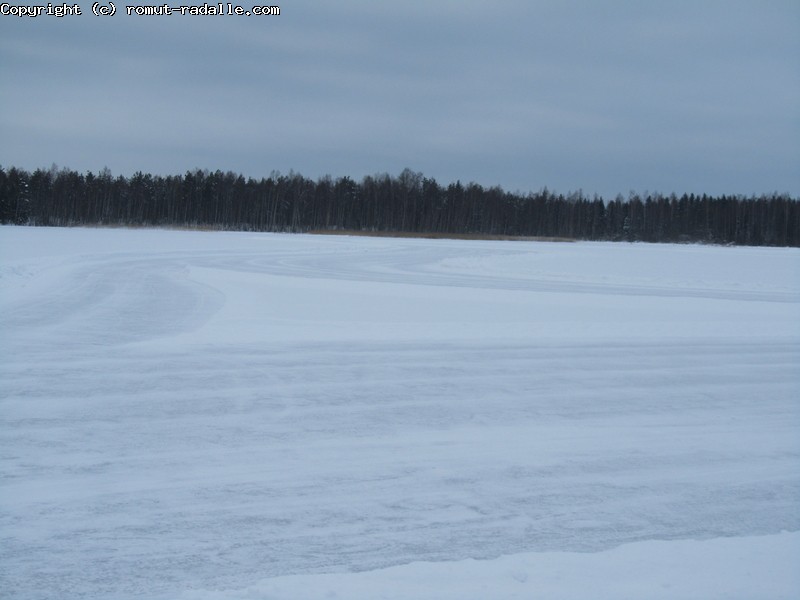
(606,96)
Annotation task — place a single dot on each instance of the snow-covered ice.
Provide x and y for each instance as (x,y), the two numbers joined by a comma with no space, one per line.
(237,415)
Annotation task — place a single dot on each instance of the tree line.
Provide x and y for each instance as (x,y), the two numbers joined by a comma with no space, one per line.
(408,202)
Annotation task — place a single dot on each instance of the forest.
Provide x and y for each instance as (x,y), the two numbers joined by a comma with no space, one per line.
(407,203)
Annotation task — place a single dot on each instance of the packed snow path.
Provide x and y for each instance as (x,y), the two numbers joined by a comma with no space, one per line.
(199,411)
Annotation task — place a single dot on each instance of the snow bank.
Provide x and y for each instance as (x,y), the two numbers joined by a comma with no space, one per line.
(751,568)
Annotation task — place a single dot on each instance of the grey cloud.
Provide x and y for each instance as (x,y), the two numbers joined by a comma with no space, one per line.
(605,96)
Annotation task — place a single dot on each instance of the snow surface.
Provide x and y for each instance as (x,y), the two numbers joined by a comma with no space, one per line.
(204,415)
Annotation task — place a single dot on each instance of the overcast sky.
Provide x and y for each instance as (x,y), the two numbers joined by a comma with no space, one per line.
(605,96)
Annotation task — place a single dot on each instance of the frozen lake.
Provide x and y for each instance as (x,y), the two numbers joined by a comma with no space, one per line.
(189,412)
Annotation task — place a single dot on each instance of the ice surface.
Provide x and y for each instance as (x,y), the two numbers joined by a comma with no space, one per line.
(189,412)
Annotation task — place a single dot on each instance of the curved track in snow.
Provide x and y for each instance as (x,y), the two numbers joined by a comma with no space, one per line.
(203,411)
